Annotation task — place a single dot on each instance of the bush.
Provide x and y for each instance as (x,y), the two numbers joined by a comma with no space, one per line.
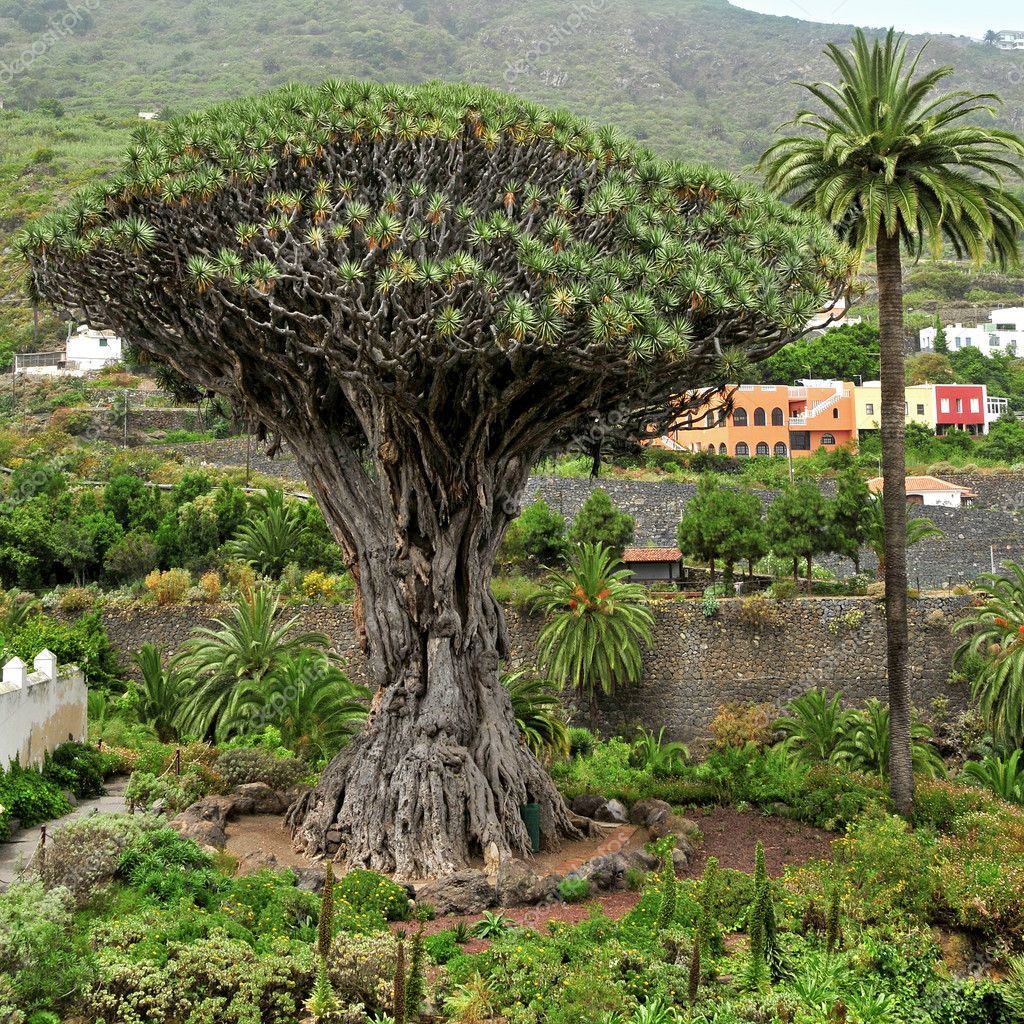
(600,522)
(170,586)
(536,537)
(27,796)
(737,723)
(581,741)
(130,558)
(442,946)
(177,791)
(76,767)
(574,890)
(362,969)
(209,584)
(242,765)
(368,891)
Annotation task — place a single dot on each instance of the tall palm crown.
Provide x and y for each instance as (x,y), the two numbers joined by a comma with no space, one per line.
(888,156)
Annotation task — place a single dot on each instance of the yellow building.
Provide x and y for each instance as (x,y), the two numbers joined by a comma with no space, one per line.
(919,406)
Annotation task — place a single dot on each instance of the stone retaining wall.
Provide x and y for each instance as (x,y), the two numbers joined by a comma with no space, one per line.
(752,650)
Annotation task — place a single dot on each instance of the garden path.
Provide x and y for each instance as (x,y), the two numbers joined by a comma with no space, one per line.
(24,843)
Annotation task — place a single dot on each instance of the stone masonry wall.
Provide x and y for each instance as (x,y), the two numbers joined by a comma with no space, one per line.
(761,651)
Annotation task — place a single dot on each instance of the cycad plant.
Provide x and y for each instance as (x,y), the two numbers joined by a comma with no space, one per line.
(539,714)
(895,165)
(226,664)
(268,539)
(996,641)
(1004,776)
(816,725)
(868,736)
(160,693)
(598,624)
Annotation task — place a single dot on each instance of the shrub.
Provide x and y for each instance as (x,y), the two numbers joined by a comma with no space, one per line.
(130,558)
(600,522)
(581,741)
(75,600)
(177,791)
(737,723)
(322,586)
(362,969)
(536,537)
(76,767)
(243,765)
(170,586)
(27,796)
(209,584)
(368,891)
(574,890)
(442,946)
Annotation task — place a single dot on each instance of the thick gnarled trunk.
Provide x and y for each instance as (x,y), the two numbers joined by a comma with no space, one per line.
(440,774)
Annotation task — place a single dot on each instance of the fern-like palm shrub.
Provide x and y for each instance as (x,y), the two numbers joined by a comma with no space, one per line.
(815,727)
(425,291)
(996,642)
(865,746)
(268,539)
(1003,776)
(539,714)
(597,624)
(226,666)
(160,693)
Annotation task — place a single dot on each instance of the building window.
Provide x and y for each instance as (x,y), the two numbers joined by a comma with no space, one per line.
(827,439)
(920,409)
(780,449)
(959,405)
(869,408)
(722,450)
(739,417)
(710,419)
(778,419)
(760,419)
(944,404)
(762,448)
(975,405)
(721,417)
(103,342)
(835,414)
(742,449)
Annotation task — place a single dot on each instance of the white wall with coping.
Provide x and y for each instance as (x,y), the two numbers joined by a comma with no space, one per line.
(40,708)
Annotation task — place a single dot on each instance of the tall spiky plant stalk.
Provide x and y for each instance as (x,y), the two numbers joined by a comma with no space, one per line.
(399,1009)
(325,923)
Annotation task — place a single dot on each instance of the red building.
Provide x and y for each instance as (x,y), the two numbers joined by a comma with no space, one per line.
(960,407)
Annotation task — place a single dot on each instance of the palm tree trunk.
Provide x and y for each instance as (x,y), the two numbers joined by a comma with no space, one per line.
(894,468)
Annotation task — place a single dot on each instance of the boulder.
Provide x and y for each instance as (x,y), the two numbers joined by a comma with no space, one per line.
(159,806)
(204,822)
(604,872)
(671,825)
(516,884)
(587,805)
(641,859)
(309,879)
(466,892)
(644,812)
(612,812)
(258,798)
(257,860)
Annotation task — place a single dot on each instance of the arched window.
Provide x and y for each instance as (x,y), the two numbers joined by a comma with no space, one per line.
(759,418)
(780,449)
(778,419)
(710,419)
(739,417)
(721,417)
(742,449)
(835,414)
(722,450)
(762,448)
(827,439)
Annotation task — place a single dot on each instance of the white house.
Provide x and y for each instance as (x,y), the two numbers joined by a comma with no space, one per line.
(92,350)
(1008,39)
(1003,333)
(929,490)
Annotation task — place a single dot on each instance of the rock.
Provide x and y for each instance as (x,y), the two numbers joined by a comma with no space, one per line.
(465,892)
(671,824)
(680,859)
(516,884)
(159,806)
(258,860)
(587,805)
(641,860)
(645,811)
(205,821)
(309,879)
(258,798)
(71,798)
(613,811)
(546,890)
(605,872)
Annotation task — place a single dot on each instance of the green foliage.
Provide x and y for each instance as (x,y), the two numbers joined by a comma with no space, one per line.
(368,891)
(539,714)
(76,767)
(918,529)
(160,693)
(653,754)
(26,794)
(269,538)
(535,537)
(491,926)
(599,522)
(797,523)
(816,725)
(995,644)
(722,523)
(574,890)
(1002,776)
(240,766)
(842,353)
(597,624)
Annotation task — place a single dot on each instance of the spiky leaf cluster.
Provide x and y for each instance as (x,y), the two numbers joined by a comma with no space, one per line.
(410,242)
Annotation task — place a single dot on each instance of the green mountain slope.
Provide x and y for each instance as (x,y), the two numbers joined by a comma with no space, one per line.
(696,79)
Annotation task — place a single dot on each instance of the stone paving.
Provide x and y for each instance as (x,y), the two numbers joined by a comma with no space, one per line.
(24,843)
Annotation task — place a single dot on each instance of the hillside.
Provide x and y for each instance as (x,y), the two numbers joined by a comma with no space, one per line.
(696,79)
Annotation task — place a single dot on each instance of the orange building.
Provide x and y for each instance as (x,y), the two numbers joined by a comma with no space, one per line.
(772,419)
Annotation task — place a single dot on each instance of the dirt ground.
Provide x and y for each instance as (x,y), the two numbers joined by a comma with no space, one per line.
(728,834)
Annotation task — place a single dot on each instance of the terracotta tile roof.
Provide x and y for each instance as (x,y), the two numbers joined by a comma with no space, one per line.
(652,555)
(917,484)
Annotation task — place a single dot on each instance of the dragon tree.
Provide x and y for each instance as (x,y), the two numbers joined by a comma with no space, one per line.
(423,291)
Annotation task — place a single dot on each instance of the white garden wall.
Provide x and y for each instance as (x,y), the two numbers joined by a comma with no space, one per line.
(40,708)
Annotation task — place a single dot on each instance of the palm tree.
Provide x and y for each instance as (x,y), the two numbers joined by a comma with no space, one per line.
(159,693)
(815,727)
(893,164)
(598,623)
(996,640)
(539,714)
(917,529)
(268,539)
(231,663)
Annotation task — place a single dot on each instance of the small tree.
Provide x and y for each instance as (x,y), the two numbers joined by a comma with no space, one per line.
(848,515)
(600,522)
(941,345)
(798,525)
(537,536)
(722,523)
